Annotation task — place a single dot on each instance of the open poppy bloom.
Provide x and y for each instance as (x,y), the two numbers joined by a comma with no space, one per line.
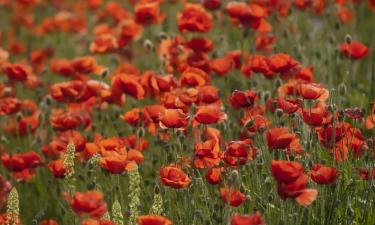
(153,220)
(239,152)
(194,18)
(214,175)
(354,50)
(174,177)
(129,84)
(313,91)
(240,99)
(321,174)
(207,154)
(279,138)
(148,13)
(194,77)
(234,197)
(254,219)
(292,182)
(17,72)
(91,202)
(209,115)
(173,118)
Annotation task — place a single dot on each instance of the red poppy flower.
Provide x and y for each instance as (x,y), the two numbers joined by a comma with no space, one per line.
(129,84)
(173,118)
(354,50)
(71,91)
(67,120)
(104,43)
(221,66)
(316,116)
(9,105)
(212,4)
(313,91)
(281,63)
(17,72)
(194,18)
(254,219)
(86,65)
(174,177)
(200,44)
(289,105)
(209,115)
(57,168)
(241,99)
(279,138)
(234,197)
(214,175)
(247,14)
(148,13)
(97,222)
(194,77)
(323,174)
(91,202)
(207,154)
(21,161)
(153,220)
(48,222)
(239,152)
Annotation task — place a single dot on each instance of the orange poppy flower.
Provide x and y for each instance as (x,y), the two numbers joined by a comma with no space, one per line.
(104,43)
(130,31)
(317,116)
(257,64)
(254,219)
(129,84)
(63,67)
(200,44)
(279,138)
(87,65)
(17,72)
(234,197)
(208,95)
(281,63)
(20,161)
(313,91)
(194,77)
(173,118)
(174,177)
(221,66)
(70,91)
(323,174)
(247,14)
(212,4)
(63,120)
(214,175)
(153,220)
(354,50)
(194,18)
(239,152)
(91,202)
(241,99)
(207,154)
(209,115)
(57,168)
(9,105)
(148,13)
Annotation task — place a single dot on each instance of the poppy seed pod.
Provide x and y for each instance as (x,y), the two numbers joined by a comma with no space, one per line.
(348,38)
(342,89)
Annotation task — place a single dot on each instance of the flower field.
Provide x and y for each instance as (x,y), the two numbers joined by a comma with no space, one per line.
(200,112)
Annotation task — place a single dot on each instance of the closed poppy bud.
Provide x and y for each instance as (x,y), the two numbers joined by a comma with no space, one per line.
(321,174)
(234,197)
(174,177)
(354,50)
(153,220)
(173,118)
(254,219)
(240,99)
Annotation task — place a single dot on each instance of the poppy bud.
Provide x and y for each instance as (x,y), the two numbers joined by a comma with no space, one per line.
(148,45)
(48,100)
(162,35)
(342,89)
(233,176)
(278,83)
(348,38)
(19,116)
(105,73)
(266,95)
(279,112)
(7,91)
